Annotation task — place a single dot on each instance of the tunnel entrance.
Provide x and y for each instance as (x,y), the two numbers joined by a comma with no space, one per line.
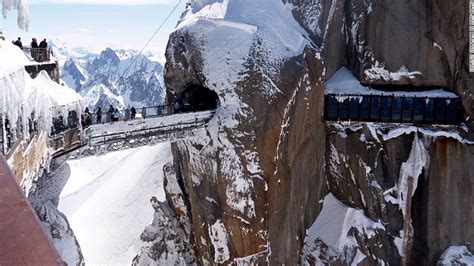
(197,98)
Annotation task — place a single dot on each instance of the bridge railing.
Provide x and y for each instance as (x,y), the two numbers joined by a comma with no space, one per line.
(393,109)
(126,115)
(39,54)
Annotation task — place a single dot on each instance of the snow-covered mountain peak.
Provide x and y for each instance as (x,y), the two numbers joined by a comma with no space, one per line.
(107,57)
(118,77)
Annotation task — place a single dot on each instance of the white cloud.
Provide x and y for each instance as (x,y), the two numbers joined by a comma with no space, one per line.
(105,2)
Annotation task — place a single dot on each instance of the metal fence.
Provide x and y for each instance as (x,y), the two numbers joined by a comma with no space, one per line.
(127,115)
(39,54)
(393,109)
(62,124)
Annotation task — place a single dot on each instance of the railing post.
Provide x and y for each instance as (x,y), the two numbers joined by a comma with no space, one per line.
(391,107)
(446,110)
(349,108)
(326,98)
(380,107)
(413,111)
(370,108)
(402,109)
(423,120)
(359,118)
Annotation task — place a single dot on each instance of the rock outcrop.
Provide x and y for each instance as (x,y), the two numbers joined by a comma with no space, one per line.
(165,240)
(61,234)
(259,182)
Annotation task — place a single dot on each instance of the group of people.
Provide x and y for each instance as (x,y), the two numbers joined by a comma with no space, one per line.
(60,124)
(112,115)
(34,43)
(38,51)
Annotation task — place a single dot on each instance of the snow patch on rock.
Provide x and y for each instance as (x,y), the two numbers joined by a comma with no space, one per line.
(456,255)
(60,232)
(219,239)
(331,232)
(379,72)
(164,241)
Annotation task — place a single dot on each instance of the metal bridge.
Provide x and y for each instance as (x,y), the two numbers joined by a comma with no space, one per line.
(23,239)
(120,135)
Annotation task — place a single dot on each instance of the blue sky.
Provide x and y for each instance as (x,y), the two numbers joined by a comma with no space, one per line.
(98,24)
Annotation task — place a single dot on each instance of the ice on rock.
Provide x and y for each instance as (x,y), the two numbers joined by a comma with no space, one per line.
(21,96)
(456,255)
(22,7)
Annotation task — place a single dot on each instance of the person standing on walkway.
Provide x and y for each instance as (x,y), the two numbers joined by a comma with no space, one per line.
(43,51)
(133,112)
(177,107)
(34,43)
(18,43)
(99,115)
(34,49)
(43,44)
(110,113)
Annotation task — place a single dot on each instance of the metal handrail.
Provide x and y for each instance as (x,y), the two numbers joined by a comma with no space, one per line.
(39,54)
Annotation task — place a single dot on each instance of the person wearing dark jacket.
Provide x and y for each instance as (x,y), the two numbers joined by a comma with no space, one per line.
(133,112)
(110,113)
(18,43)
(34,43)
(43,44)
(34,49)
(99,115)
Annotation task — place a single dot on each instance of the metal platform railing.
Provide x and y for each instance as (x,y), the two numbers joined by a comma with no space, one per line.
(393,109)
(39,54)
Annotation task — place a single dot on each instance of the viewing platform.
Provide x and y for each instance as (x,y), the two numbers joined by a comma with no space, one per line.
(348,100)
(42,59)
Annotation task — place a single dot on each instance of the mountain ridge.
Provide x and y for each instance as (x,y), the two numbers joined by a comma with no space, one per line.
(118,77)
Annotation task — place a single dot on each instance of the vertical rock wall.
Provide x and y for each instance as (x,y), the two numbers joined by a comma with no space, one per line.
(255,179)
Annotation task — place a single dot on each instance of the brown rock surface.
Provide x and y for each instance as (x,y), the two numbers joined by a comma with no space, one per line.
(256,177)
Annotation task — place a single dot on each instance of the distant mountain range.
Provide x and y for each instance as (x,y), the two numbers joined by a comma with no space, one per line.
(102,79)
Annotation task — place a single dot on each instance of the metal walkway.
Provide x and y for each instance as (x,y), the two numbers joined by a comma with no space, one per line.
(393,109)
(100,139)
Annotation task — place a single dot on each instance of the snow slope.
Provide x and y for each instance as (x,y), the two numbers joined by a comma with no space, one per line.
(107,201)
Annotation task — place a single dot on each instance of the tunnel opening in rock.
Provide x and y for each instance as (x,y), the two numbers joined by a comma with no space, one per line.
(197,98)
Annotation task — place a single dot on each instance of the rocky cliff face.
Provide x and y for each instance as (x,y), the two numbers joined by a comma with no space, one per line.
(270,181)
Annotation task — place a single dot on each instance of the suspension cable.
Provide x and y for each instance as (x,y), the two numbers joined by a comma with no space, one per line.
(146,45)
